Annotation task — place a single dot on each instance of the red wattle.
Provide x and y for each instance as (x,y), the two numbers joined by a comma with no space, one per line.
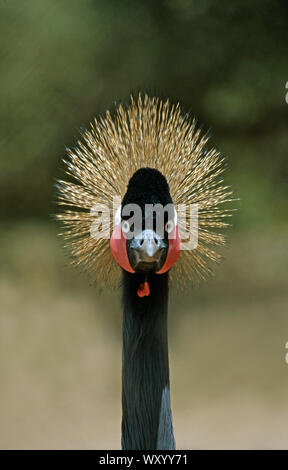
(143,289)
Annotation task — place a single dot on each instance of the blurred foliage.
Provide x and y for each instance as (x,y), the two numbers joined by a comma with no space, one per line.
(64,61)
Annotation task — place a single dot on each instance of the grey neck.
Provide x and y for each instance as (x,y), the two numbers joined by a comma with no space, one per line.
(147,418)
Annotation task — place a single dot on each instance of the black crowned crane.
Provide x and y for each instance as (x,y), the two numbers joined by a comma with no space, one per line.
(148,155)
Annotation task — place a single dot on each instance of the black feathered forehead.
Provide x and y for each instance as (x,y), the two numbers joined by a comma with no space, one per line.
(147,186)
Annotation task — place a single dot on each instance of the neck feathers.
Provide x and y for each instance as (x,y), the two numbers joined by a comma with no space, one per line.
(147,419)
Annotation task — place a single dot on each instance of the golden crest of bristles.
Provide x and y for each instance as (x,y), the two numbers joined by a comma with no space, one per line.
(147,133)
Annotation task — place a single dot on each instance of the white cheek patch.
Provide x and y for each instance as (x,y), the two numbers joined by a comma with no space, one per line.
(117,218)
(175,217)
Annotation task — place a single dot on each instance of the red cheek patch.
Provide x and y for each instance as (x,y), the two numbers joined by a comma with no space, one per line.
(118,248)
(119,251)
(173,251)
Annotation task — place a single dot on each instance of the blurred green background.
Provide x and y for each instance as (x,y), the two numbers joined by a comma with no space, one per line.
(62,62)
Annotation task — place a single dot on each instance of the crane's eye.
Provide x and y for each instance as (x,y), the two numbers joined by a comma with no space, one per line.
(169,226)
(125,226)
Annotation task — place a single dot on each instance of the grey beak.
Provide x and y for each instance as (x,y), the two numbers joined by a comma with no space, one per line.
(147,248)
(148,243)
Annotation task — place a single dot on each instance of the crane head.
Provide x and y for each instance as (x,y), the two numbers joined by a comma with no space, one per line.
(125,155)
(145,238)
